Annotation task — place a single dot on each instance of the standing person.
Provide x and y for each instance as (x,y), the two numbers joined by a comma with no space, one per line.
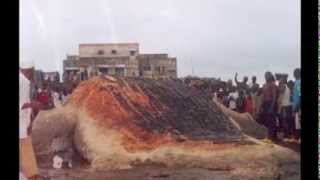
(240,101)
(248,103)
(56,99)
(296,102)
(242,86)
(242,89)
(229,87)
(28,164)
(232,99)
(43,97)
(38,93)
(290,86)
(253,88)
(285,108)
(65,95)
(50,103)
(259,118)
(223,94)
(60,95)
(269,95)
(35,98)
(292,128)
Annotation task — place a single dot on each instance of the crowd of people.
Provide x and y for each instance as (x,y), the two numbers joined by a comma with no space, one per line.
(50,97)
(275,104)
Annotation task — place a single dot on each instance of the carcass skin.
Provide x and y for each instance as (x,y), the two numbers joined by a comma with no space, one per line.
(245,121)
(120,123)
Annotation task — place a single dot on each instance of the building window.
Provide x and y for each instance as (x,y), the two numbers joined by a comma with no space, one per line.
(158,69)
(147,68)
(100,52)
(113,52)
(163,70)
(103,70)
(132,53)
(120,71)
(172,71)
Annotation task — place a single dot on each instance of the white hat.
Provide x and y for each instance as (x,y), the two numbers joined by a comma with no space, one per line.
(24,64)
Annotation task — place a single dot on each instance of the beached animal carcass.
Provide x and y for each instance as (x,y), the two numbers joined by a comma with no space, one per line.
(120,123)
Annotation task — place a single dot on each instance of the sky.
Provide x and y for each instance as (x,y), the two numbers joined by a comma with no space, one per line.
(210,38)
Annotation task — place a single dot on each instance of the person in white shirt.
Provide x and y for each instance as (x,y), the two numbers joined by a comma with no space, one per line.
(28,166)
(56,99)
(232,100)
(285,108)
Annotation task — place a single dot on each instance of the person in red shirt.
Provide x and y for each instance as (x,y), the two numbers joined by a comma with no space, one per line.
(38,94)
(43,97)
(248,107)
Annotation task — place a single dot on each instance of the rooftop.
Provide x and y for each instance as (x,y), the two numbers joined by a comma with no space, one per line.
(107,44)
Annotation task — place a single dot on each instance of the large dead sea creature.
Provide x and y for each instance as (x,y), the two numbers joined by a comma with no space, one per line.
(120,123)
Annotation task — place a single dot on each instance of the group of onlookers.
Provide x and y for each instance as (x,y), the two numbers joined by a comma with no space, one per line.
(280,108)
(275,104)
(50,97)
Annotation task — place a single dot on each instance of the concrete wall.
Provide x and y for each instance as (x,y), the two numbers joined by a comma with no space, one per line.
(122,49)
(172,67)
(69,63)
(131,65)
(152,56)
(72,57)
(157,66)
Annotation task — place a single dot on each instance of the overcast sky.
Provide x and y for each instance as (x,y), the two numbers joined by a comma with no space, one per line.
(215,38)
